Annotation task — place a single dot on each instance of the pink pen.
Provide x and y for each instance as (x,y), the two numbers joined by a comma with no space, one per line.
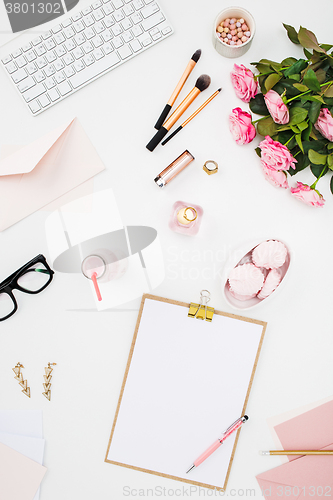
(233,427)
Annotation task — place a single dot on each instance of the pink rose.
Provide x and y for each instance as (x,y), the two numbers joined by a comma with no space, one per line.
(241,128)
(242,79)
(310,196)
(325,124)
(277,178)
(275,155)
(277,108)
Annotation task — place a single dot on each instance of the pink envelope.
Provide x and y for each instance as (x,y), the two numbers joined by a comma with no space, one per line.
(307,476)
(44,170)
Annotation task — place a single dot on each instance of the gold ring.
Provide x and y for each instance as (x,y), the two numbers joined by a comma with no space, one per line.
(208,170)
(193,210)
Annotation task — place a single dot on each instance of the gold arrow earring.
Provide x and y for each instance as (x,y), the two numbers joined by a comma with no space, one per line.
(19,377)
(47,380)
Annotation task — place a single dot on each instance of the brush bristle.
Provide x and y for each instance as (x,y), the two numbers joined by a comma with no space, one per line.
(202,82)
(219,89)
(196,55)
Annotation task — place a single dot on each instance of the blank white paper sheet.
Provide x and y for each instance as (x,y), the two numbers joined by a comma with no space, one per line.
(187,381)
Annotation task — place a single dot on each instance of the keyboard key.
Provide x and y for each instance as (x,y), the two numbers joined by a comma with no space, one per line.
(156,36)
(34,92)
(108,9)
(117,42)
(60,51)
(147,42)
(66,22)
(118,16)
(34,106)
(79,26)
(136,18)
(87,47)
(135,45)
(49,70)
(69,71)
(31,55)
(78,52)
(116,30)
(97,41)
(98,15)
(97,4)
(54,95)
(137,30)
(108,21)
(19,75)
(21,61)
(117,4)
(59,38)
(98,54)
(40,50)
(11,67)
(107,36)
(70,45)
(86,11)
(69,32)
(49,44)
(79,65)
(127,36)
(26,47)
(76,17)
(32,68)
(88,59)
(68,59)
(124,51)
(107,47)
(150,10)
(56,29)
(64,88)
(126,24)
(26,84)
(58,65)
(89,33)
(152,21)
(50,56)
(7,59)
(47,35)
(94,70)
(166,30)
(79,39)
(50,83)
(128,9)
(37,40)
(60,77)
(17,53)
(39,76)
(99,27)
(89,20)
(138,4)
(44,100)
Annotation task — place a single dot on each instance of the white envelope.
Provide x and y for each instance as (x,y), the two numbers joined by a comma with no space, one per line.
(44,170)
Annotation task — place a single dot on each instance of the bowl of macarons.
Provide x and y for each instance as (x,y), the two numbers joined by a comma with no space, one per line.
(255,273)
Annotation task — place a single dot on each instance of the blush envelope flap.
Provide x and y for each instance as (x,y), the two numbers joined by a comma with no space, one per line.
(305,475)
(44,170)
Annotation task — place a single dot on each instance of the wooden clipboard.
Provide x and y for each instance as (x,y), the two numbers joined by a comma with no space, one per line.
(149,302)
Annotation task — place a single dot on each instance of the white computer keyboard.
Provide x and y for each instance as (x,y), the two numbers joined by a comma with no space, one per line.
(82,48)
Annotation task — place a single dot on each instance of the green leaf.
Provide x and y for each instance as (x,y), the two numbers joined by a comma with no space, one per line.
(282,128)
(326,46)
(317,170)
(292,33)
(307,54)
(317,145)
(294,129)
(314,111)
(301,87)
(262,68)
(307,132)
(328,92)
(258,105)
(330,162)
(297,67)
(299,142)
(267,127)
(261,80)
(310,80)
(258,151)
(297,115)
(272,80)
(295,77)
(288,61)
(302,163)
(302,126)
(321,75)
(313,98)
(330,145)
(308,40)
(317,158)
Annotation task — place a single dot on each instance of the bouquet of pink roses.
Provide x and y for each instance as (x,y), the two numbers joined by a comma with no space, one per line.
(296,104)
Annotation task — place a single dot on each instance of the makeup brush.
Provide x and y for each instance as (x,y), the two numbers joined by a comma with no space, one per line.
(191,117)
(201,84)
(194,59)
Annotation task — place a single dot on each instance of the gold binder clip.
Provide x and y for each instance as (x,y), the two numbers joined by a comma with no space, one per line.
(201,311)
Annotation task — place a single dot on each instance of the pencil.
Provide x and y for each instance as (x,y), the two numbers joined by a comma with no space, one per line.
(297,452)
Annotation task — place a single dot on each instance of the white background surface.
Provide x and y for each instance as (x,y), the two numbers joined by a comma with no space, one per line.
(118,112)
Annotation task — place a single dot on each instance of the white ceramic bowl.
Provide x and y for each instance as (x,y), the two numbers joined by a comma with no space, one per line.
(240,256)
(233,50)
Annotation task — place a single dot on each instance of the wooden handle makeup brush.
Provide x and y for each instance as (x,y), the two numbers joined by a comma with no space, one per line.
(191,117)
(201,84)
(193,61)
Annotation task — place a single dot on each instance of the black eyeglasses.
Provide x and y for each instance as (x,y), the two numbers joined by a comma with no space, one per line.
(32,278)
